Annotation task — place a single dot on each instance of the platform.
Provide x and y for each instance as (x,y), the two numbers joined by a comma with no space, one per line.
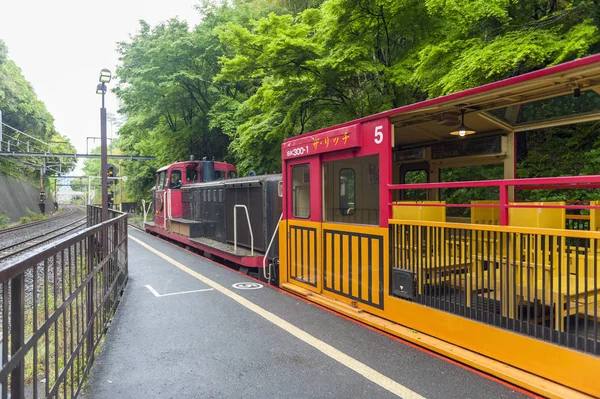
(183,330)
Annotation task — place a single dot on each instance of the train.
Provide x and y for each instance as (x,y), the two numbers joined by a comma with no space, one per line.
(206,207)
(362,220)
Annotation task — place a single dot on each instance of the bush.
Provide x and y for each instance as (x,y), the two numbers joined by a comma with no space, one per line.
(4,220)
(32,216)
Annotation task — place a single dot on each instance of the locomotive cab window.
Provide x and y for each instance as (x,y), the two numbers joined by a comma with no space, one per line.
(191,175)
(301,191)
(219,174)
(161,180)
(175,180)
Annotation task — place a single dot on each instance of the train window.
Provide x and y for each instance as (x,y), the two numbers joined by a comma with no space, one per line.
(215,195)
(175,181)
(232,174)
(415,177)
(221,195)
(204,195)
(191,175)
(161,180)
(301,191)
(347,191)
(219,174)
(351,190)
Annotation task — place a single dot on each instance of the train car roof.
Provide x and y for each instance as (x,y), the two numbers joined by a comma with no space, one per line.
(497,106)
(238,180)
(183,163)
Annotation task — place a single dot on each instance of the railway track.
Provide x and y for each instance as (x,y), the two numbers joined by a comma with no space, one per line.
(28,241)
(68,212)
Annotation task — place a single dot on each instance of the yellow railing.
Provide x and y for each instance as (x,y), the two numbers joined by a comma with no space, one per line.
(531,280)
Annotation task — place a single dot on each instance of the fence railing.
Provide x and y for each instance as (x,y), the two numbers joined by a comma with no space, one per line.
(533,268)
(56,305)
(529,281)
(94,214)
(504,204)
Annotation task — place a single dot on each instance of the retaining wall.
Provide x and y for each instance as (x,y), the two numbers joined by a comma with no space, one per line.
(17,196)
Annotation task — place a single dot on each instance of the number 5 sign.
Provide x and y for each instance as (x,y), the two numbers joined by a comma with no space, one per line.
(378,134)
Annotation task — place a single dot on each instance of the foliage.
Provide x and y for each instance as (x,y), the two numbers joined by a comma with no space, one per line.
(255,72)
(32,217)
(91,167)
(4,220)
(22,110)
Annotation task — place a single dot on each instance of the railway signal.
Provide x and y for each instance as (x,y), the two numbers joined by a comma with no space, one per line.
(111,172)
(110,199)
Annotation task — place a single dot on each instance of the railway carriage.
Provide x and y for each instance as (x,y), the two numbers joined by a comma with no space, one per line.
(369,227)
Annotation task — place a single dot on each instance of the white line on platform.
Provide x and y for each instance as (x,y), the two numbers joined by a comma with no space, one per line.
(156,294)
(353,364)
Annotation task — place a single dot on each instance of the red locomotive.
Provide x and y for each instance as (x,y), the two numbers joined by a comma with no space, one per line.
(204,206)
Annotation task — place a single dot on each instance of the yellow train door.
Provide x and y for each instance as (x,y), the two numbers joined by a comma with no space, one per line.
(304,256)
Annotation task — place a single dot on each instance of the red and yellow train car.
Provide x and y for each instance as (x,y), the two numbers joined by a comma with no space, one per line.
(507,286)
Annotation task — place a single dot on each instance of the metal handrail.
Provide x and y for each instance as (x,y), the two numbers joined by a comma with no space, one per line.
(165,210)
(235,228)
(268,278)
(146,211)
(170,202)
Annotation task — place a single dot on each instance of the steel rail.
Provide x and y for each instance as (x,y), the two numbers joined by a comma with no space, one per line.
(80,222)
(40,235)
(38,222)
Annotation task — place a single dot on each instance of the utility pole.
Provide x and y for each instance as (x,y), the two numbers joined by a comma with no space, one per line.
(105,77)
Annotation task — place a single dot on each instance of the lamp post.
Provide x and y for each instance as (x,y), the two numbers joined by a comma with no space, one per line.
(105,76)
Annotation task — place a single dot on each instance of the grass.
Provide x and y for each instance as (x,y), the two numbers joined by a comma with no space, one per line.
(32,216)
(136,220)
(4,220)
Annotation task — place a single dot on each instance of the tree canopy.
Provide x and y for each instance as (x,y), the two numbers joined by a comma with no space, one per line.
(24,112)
(255,72)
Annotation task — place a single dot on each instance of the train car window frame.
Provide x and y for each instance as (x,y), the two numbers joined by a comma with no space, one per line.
(303,179)
(344,192)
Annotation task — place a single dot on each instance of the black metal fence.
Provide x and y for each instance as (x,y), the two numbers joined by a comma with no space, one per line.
(543,285)
(56,304)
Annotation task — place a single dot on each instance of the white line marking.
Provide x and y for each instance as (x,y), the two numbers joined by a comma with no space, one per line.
(156,294)
(337,355)
(152,290)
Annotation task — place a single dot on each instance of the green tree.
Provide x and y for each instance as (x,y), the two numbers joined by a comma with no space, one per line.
(24,112)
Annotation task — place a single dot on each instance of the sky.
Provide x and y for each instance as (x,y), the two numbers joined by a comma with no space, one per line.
(62,45)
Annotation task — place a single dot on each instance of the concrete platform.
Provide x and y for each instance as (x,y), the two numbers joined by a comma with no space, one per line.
(183,330)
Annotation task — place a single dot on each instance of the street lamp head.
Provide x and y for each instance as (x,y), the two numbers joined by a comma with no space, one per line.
(105,76)
(101,88)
